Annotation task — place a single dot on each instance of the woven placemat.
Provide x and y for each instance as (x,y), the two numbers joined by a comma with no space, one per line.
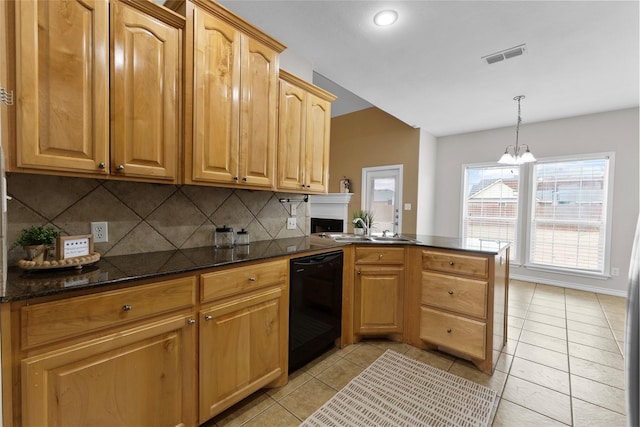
(396,390)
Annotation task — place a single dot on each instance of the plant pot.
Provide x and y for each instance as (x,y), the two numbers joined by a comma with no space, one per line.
(35,253)
(358,231)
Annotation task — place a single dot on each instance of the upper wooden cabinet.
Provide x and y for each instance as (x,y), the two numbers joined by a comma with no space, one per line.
(303,136)
(231,99)
(62,83)
(79,67)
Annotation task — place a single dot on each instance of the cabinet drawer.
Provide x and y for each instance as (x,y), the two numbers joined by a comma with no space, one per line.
(379,255)
(456,263)
(454,332)
(219,284)
(52,321)
(462,295)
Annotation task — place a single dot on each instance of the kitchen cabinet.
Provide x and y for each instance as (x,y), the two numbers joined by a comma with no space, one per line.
(98,89)
(303,135)
(378,290)
(243,333)
(462,304)
(121,357)
(231,101)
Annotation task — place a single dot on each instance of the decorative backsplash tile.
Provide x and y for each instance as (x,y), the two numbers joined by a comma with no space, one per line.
(146,217)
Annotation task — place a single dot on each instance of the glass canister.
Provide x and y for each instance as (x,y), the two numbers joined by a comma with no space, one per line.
(242,237)
(224,237)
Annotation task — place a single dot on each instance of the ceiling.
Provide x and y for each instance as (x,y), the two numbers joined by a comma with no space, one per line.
(581,56)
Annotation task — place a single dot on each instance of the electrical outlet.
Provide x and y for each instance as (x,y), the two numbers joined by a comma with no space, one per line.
(291,223)
(100,231)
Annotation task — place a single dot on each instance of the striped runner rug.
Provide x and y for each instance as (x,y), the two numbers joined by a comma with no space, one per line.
(396,390)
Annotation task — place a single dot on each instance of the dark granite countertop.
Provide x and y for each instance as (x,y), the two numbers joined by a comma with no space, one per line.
(113,270)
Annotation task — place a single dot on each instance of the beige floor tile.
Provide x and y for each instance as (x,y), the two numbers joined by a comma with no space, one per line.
(398,347)
(296,379)
(432,358)
(305,400)
(591,320)
(276,415)
(512,344)
(540,399)
(323,362)
(560,322)
(544,341)
(504,362)
(607,358)
(597,393)
(364,355)
(617,326)
(518,312)
(592,340)
(587,415)
(515,322)
(513,332)
(544,301)
(466,370)
(543,356)
(542,309)
(244,410)
(598,331)
(544,329)
(594,310)
(548,290)
(340,373)
(616,317)
(597,372)
(543,375)
(510,414)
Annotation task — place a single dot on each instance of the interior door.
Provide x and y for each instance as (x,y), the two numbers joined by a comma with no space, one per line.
(382,195)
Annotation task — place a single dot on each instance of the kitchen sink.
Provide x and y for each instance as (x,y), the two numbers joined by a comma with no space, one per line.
(391,239)
(354,238)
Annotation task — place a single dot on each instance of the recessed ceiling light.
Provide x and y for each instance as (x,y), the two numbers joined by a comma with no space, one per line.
(385,17)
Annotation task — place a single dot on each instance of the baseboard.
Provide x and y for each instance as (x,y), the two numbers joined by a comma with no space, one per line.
(570,285)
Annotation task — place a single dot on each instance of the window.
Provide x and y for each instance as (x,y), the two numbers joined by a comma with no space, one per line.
(490,204)
(382,195)
(569,211)
(554,212)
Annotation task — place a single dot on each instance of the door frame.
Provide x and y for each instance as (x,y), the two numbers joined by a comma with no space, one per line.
(364,200)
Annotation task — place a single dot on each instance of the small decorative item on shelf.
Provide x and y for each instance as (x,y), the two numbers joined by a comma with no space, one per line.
(362,222)
(71,251)
(345,185)
(37,242)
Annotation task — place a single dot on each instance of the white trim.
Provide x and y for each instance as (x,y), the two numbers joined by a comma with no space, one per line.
(598,290)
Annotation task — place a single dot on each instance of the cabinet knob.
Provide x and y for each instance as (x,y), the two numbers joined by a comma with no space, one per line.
(450,292)
(252,279)
(244,178)
(126,307)
(451,263)
(191,322)
(359,272)
(101,165)
(308,186)
(449,330)
(208,317)
(380,256)
(120,168)
(235,178)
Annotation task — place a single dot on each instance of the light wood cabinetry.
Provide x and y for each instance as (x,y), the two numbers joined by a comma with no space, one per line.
(81,70)
(122,357)
(243,333)
(303,135)
(463,304)
(231,99)
(379,290)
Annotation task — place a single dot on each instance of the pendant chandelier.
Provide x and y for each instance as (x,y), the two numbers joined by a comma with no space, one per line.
(517,154)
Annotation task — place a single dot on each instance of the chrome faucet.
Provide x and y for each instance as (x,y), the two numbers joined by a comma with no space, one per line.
(364,225)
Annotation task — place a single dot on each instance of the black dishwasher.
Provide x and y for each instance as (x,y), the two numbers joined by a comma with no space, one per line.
(315,306)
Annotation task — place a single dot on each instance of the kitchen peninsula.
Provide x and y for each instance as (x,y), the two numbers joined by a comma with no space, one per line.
(195,331)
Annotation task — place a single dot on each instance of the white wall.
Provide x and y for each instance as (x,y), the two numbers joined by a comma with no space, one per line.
(615,131)
(426,184)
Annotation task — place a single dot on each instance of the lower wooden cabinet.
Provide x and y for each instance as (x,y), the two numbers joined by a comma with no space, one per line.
(144,376)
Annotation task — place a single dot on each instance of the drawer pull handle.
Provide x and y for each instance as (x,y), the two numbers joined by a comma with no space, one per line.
(359,272)
(252,279)
(380,256)
(451,263)
(450,292)
(126,307)
(208,317)
(449,330)
(191,322)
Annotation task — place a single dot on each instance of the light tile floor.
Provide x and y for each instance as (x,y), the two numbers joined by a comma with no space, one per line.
(562,365)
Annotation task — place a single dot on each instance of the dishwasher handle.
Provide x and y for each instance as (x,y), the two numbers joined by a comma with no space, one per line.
(316,259)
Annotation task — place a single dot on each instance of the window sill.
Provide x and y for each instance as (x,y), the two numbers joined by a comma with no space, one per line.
(597,276)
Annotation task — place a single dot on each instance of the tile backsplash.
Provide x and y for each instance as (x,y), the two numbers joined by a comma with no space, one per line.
(145,217)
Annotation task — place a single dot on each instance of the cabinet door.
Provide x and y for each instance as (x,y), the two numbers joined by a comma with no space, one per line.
(379,296)
(291,136)
(240,349)
(62,80)
(215,99)
(317,144)
(144,376)
(259,92)
(145,82)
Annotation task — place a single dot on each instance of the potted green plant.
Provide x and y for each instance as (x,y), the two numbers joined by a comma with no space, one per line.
(362,221)
(37,241)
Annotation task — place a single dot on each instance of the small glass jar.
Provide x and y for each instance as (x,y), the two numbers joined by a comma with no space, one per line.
(224,237)
(242,237)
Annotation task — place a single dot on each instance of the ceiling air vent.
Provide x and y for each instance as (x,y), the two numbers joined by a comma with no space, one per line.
(505,54)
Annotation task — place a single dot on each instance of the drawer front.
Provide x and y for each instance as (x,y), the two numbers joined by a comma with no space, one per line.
(454,332)
(52,321)
(220,284)
(379,255)
(459,294)
(455,263)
